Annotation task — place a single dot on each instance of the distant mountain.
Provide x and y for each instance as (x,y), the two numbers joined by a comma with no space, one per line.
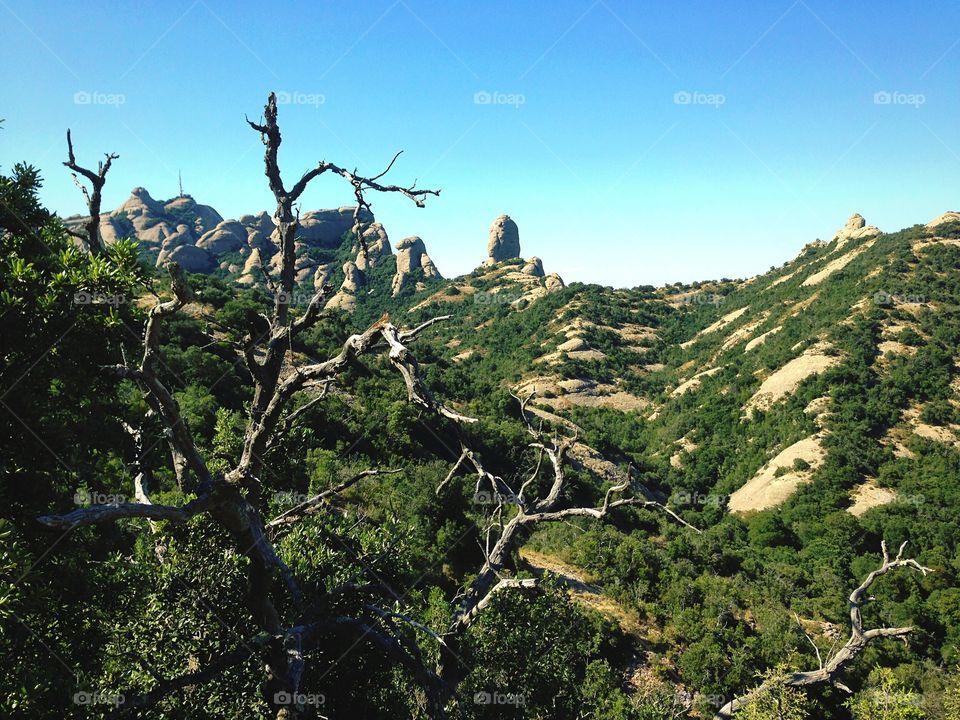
(701,373)
(704,368)
(202,241)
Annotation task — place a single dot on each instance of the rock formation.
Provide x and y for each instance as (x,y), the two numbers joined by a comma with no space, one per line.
(202,241)
(949,216)
(377,244)
(855,229)
(504,242)
(228,236)
(193,259)
(553,282)
(326,228)
(346,297)
(411,256)
(205,218)
(533,267)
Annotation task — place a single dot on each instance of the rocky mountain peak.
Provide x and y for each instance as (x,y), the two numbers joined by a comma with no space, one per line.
(855,229)
(504,241)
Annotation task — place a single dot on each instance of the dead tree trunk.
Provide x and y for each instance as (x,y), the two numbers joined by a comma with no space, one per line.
(93,196)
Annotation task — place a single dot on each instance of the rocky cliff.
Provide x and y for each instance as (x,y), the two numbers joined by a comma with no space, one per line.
(202,241)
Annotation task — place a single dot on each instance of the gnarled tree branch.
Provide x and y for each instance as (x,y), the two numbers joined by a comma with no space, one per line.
(93,196)
(858,641)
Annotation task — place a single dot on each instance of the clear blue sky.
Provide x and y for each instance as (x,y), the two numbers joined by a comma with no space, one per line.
(609,177)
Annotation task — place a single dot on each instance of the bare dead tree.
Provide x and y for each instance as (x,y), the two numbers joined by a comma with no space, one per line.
(513,515)
(93,196)
(234,499)
(828,671)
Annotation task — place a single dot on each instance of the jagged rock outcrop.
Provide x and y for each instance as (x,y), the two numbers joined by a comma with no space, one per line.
(504,241)
(322,274)
(260,229)
(252,263)
(378,245)
(533,267)
(182,235)
(412,256)
(108,230)
(855,229)
(346,297)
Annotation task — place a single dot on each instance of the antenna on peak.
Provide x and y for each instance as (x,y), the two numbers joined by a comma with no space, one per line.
(180,180)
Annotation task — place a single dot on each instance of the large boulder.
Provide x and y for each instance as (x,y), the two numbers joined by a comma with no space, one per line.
(140,208)
(321,275)
(553,282)
(192,259)
(325,228)
(108,231)
(250,266)
(504,241)
(533,267)
(855,229)
(147,217)
(183,235)
(260,229)
(228,236)
(155,233)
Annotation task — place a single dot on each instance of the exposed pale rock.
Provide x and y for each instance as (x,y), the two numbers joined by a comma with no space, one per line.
(108,232)
(182,236)
(253,261)
(949,216)
(322,275)
(761,339)
(767,488)
(326,228)
(869,495)
(228,236)
(504,241)
(429,269)
(553,282)
(154,233)
(206,217)
(193,259)
(139,207)
(260,229)
(533,267)
(784,381)
(377,244)
(840,262)
(346,297)
(411,256)
(855,229)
